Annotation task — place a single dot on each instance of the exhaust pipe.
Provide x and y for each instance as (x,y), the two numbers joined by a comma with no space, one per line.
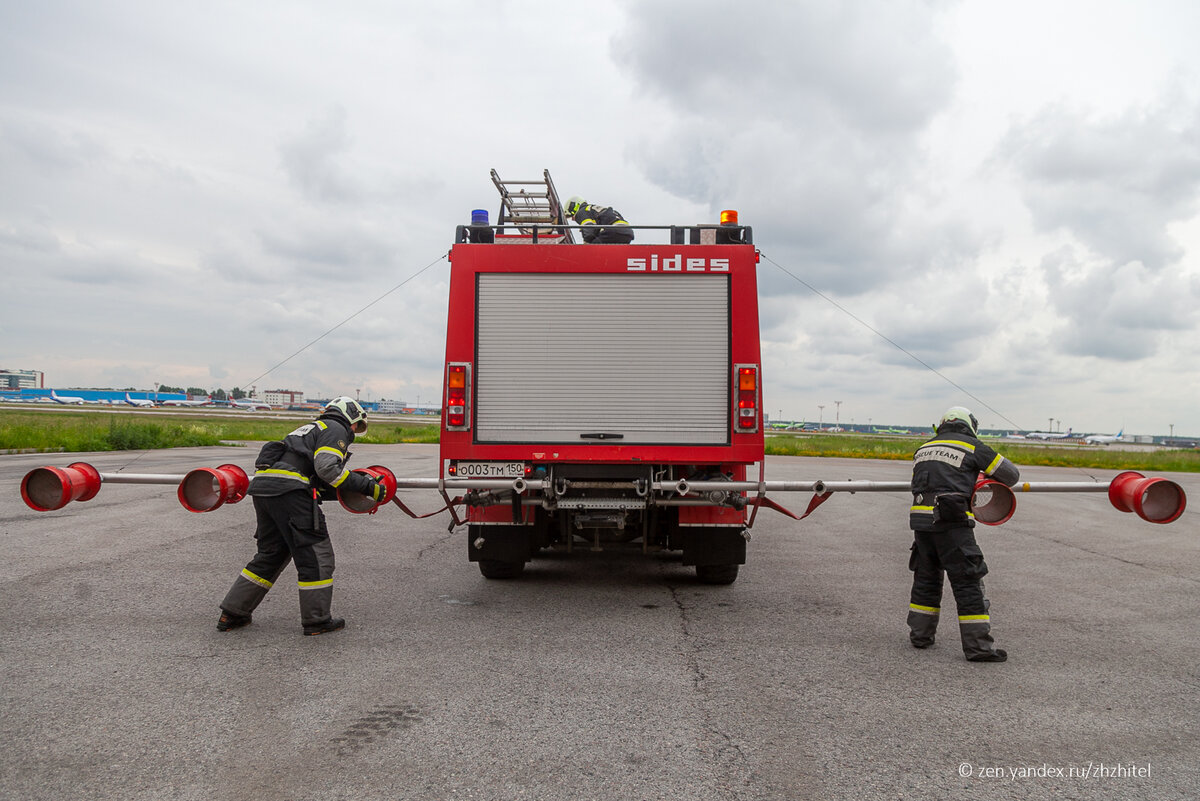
(1157,500)
(992,503)
(357,503)
(207,488)
(45,489)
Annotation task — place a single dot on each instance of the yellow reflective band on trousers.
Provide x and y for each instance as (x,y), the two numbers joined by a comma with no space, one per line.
(974,619)
(259,580)
(925,610)
(315,585)
(282,474)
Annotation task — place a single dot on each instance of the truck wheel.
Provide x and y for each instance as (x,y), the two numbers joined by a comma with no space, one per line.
(495,569)
(716,574)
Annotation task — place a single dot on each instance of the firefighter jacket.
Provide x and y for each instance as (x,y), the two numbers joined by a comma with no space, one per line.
(313,458)
(944,473)
(596,217)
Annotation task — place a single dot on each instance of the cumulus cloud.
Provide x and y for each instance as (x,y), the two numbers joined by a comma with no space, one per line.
(212,200)
(1117,311)
(311,159)
(1114,187)
(809,118)
(1115,184)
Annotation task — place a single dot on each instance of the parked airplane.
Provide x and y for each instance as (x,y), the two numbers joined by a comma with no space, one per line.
(250,405)
(64,398)
(1048,435)
(141,403)
(1104,439)
(205,402)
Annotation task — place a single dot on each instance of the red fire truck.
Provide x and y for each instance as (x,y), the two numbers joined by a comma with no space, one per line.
(591,380)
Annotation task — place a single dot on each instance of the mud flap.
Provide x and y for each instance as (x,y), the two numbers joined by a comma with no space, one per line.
(712,545)
(500,543)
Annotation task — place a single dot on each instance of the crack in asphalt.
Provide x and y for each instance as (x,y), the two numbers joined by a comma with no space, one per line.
(733,770)
(1160,571)
(436,543)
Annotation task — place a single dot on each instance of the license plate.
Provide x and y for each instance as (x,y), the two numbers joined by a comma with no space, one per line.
(490,470)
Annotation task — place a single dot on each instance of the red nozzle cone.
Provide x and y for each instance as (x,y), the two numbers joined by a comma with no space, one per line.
(992,502)
(207,488)
(45,489)
(358,503)
(1156,500)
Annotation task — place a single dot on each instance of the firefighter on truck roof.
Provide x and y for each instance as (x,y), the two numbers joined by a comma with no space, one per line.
(944,473)
(603,225)
(286,488)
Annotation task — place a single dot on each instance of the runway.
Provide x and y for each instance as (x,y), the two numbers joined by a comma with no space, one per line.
(599,675)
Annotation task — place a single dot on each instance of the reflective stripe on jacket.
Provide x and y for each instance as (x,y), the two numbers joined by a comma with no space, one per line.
(316,456)
(596,217)
(949,464)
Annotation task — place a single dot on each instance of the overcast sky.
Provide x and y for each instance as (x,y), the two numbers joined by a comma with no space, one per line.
(190,193)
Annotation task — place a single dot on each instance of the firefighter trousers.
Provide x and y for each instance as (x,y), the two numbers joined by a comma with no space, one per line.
(291,528)
(612,235)
(952,554)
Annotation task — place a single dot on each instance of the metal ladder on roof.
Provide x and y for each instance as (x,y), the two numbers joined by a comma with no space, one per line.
(533,206)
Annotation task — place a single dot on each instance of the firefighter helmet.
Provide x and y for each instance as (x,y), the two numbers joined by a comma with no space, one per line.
(574,203)
(960,413)
(350,409)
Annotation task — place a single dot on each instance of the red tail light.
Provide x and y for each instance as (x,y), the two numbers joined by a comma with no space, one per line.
(746,394)
(458,396)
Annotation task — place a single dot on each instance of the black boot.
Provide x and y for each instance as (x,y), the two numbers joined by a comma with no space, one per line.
(999,655)
(333,624)
(231,621)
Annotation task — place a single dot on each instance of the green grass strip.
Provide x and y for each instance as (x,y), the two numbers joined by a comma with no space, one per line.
(76,432)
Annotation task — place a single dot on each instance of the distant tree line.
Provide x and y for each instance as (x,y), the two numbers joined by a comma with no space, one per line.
(216,394)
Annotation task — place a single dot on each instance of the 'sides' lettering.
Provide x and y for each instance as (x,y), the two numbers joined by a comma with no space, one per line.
(675,264)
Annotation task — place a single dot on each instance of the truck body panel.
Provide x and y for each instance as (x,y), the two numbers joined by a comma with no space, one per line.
(622,341)
(585,385)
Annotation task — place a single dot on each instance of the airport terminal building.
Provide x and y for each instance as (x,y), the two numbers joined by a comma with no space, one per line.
(22,379)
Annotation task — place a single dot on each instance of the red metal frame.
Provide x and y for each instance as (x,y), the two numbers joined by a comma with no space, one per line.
(737,261)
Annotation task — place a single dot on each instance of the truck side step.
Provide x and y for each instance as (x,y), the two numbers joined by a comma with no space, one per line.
(616,504)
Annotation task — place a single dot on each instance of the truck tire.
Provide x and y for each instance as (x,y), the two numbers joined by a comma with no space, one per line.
(495,569)
(716,574)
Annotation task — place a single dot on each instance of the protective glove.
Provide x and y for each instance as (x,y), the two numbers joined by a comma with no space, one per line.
(378,490)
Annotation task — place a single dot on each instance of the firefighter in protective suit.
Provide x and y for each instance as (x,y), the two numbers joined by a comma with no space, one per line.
(287,487)
(603,225)
(944,473)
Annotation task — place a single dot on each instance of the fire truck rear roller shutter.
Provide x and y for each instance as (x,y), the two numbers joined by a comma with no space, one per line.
(565,354)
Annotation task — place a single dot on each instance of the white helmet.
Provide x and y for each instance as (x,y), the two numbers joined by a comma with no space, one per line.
(350,409)
(963,414)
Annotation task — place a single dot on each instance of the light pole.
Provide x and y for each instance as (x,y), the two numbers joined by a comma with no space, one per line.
(837,422)
(820,417)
